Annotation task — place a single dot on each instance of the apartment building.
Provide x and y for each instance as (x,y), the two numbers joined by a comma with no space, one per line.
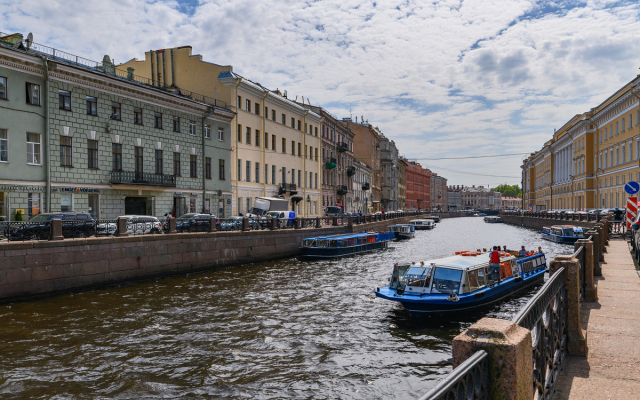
(363,197)
(454,198)
(480,197)
(402,184)
(418,182)
(389,174)
(80,135)
(276,143)
(438,189)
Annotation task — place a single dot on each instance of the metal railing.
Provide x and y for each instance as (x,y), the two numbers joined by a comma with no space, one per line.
(15,231)
(142,178)
(469,381)
(545,315)
(580,255)
(307,223)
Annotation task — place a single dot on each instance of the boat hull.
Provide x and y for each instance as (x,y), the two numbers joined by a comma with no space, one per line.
(437,305)
(316,253)
(423,227)
(560,239)
(404,235)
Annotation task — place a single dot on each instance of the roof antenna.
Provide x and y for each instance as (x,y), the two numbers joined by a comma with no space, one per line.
(29,40)
(296,98)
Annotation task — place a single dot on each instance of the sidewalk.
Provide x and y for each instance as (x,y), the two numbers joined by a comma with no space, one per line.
(612,368)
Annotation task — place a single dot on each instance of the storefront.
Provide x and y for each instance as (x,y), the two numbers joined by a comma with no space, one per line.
(19,203)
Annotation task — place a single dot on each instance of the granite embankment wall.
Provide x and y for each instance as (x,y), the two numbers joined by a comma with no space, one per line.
(47,267)
(537,223)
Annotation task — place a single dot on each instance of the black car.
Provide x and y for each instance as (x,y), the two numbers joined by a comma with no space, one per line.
(193,222)
(74,225)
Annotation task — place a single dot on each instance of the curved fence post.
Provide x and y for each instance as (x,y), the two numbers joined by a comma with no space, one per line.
(590,289)
(577,345)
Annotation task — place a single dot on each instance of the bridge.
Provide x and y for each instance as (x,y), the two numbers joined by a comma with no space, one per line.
(576,338)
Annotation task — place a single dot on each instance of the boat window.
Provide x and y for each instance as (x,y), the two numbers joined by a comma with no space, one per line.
(474,279)
(465,285)
(446,280)
(416,276)
(332,243)
(568,232)
(323,243)
(310,242)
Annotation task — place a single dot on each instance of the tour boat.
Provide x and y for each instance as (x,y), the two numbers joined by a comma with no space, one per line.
(343,245)
(434,218)
(563,233)
(423,224)
(403,231)
(493,220)
(459,283)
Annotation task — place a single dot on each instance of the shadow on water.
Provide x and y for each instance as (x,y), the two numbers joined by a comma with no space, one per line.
(282,329)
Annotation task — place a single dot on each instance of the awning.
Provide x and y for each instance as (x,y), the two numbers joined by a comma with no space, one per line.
(296,199)
(338,205)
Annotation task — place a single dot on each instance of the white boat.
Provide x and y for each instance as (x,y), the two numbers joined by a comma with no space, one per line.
(403,231)
(493,220)
(423,224)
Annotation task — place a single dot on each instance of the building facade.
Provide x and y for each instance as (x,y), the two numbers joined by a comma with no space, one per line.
(276,145)
(438,192)
(480,197)
(418,183)
(104,141)
(389,174)
(366,148)
(511,202)
(363,197)
(402,185)
(454,198)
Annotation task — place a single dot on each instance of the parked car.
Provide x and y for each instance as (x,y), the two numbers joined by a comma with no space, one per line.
(142,224)
(193,222)
(235,223)
(74,225)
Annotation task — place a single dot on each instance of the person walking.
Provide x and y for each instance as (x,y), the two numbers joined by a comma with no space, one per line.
(495,264)
(617,220)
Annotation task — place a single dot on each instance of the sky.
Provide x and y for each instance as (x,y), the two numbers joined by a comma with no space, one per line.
(443,79)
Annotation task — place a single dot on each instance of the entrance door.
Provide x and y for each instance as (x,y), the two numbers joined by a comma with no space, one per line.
(94,206)
(179,206)
(135,206)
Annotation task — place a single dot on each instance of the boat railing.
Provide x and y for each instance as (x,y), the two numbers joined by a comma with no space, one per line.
(470,379)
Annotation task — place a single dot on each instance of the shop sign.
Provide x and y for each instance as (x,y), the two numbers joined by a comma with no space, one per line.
(20,188)
(177,194)
(77,190)
(194,194)
(228,201)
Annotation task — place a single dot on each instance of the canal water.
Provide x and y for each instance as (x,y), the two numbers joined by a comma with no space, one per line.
(283,329)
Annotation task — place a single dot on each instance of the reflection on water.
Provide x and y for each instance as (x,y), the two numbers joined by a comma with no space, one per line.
(284,329)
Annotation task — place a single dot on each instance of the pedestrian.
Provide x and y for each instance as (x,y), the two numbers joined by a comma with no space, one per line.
(617,219)
(495,264)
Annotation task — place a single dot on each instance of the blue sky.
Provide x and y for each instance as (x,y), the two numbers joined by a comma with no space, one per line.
(443,79)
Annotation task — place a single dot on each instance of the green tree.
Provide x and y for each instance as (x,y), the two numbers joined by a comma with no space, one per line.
(509,190)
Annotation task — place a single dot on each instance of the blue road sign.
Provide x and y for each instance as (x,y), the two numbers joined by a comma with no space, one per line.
(632,187)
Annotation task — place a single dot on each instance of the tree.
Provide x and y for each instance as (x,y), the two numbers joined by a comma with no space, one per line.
(509,190)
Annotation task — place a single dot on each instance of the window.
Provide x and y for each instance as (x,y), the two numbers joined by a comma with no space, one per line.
(257,172)
(92,106)
(240,133)
(257,138)
(284,175)
(299,125)
(64,98)
(617,128)
(116,156)
(630,121)
(273,115)
(316,129)
(66,150)
(157,120)
(137,115)
(266,173)
(247,170)
(3,88)
(33,94)
(176,124)
(139,153)
(257,108)
(623,125)
(115,111)
(159,163)
(266,140)
(293,176)
(92,153)
(239,170)
(273,174)
(316,153)
(193,166)
(207,168)
(176,164)
(248,108)
(239,101)
(316,179)
(293,123)
(273,142)
(66,202)
(266,112)
(221,175)
(293,148)
(192,128)
(207,131)
(284,145)
(248,136)
(4,146)
(221,134)
(284,119)
(299,149)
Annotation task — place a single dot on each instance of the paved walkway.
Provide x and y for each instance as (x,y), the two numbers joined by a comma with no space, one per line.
(612,368)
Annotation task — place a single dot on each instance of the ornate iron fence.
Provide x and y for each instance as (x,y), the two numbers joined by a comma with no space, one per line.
(308,223)
(15,231)
(545,315)
(105,227)
(230,224)
(469,381)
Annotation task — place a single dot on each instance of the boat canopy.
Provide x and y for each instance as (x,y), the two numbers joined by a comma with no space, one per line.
(347,239)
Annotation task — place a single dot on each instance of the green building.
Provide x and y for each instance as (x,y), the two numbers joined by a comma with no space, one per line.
(78,135)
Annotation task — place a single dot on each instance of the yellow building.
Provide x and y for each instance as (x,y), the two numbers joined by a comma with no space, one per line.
(275,140)
(589,159)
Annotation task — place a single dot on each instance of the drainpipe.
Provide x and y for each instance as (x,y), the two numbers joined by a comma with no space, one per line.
(265,144)
(204,165)
(234,167)
(47,151)
(304,163)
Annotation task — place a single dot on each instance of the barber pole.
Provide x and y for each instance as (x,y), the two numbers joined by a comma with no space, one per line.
(632,210)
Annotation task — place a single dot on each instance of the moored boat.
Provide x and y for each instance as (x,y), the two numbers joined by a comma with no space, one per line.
(403,231)
(492,220)
(336,246)
(422,224)
(563,233)
(434,218)
(459,283)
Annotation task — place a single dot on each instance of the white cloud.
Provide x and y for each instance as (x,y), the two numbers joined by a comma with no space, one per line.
(443,79)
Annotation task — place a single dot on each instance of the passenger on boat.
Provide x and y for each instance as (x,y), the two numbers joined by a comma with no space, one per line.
(522,251)
(539,249)
(495,264)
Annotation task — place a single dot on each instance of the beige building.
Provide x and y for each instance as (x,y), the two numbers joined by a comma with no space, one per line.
(275,141)
(439,192)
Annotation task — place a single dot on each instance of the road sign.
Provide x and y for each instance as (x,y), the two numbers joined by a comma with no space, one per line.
(632,210)
(632,187)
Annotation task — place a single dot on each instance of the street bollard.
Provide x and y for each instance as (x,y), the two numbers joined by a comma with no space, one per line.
(318,222)
(274,224)
(590,290)
(56,230)
(212,224)
(245,224)
(350,222)
(334,222)
(171,224)
(121,227)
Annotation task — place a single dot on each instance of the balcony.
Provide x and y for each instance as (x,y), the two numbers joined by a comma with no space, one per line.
(351,171)
(365,186)
(342,190)
(141,178)
(330,163)
(342,147)
(288,187)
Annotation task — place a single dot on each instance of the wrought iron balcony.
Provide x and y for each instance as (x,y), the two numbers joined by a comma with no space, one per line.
(330,163)
(141,178)
(342,190)
(351,171)
(342,147)
(365,186)
(288,187)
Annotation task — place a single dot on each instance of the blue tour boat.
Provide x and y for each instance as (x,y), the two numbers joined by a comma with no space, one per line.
(343,245)
(563,233)
(460,283)
(403,231)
